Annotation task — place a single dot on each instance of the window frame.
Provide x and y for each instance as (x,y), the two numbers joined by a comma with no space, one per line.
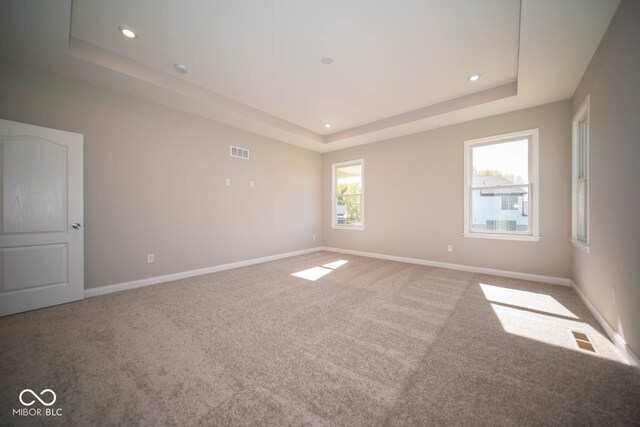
(334,167)
(534,188)
(583,114)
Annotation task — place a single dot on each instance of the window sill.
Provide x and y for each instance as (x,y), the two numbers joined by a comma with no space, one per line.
(346,227)
(516,237)
(580,245)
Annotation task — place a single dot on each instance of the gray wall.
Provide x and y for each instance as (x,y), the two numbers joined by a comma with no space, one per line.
(154,181)
(414,196)
(612,81)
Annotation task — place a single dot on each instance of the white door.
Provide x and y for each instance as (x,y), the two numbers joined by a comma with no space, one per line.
(41,233)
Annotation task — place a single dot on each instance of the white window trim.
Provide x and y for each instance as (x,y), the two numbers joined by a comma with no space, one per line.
(534,194)
(334,166)
(583,112)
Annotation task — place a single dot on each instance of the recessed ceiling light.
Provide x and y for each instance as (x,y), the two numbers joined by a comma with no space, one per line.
(473,77)
(326,60)
(327,125)
(181,68)
(128,31)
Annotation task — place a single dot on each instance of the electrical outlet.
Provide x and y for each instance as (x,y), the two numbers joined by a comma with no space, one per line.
(252,184)
(613,294)
(450,248)
(151,258)
(227,181)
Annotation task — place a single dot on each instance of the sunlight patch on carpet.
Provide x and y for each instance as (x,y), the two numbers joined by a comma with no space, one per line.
(542,318)
(335,264)
(526,300)
(316,273)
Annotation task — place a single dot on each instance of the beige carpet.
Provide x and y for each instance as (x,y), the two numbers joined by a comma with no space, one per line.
(371,342)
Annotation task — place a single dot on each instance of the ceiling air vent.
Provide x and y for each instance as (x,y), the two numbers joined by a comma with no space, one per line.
(241,153)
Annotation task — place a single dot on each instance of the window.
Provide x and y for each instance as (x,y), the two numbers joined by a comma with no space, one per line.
(510,203)
(348,195)
(580,174)
(501,187)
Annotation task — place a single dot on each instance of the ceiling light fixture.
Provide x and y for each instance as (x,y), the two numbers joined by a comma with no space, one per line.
(128,32)
(326,60)
(181,68)
(327,125)
(473,77)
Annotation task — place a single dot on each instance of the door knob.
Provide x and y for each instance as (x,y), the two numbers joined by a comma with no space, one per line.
(76,225)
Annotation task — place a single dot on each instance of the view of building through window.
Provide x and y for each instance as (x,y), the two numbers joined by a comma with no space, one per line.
(500,187)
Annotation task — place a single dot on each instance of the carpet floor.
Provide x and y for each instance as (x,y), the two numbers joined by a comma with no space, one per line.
(360,341)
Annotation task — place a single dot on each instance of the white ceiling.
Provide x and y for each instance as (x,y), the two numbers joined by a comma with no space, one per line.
(389,57)
(399,67)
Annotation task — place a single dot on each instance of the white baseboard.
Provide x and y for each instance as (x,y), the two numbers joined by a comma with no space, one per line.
(102,290)
(617,340)
(461,267)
